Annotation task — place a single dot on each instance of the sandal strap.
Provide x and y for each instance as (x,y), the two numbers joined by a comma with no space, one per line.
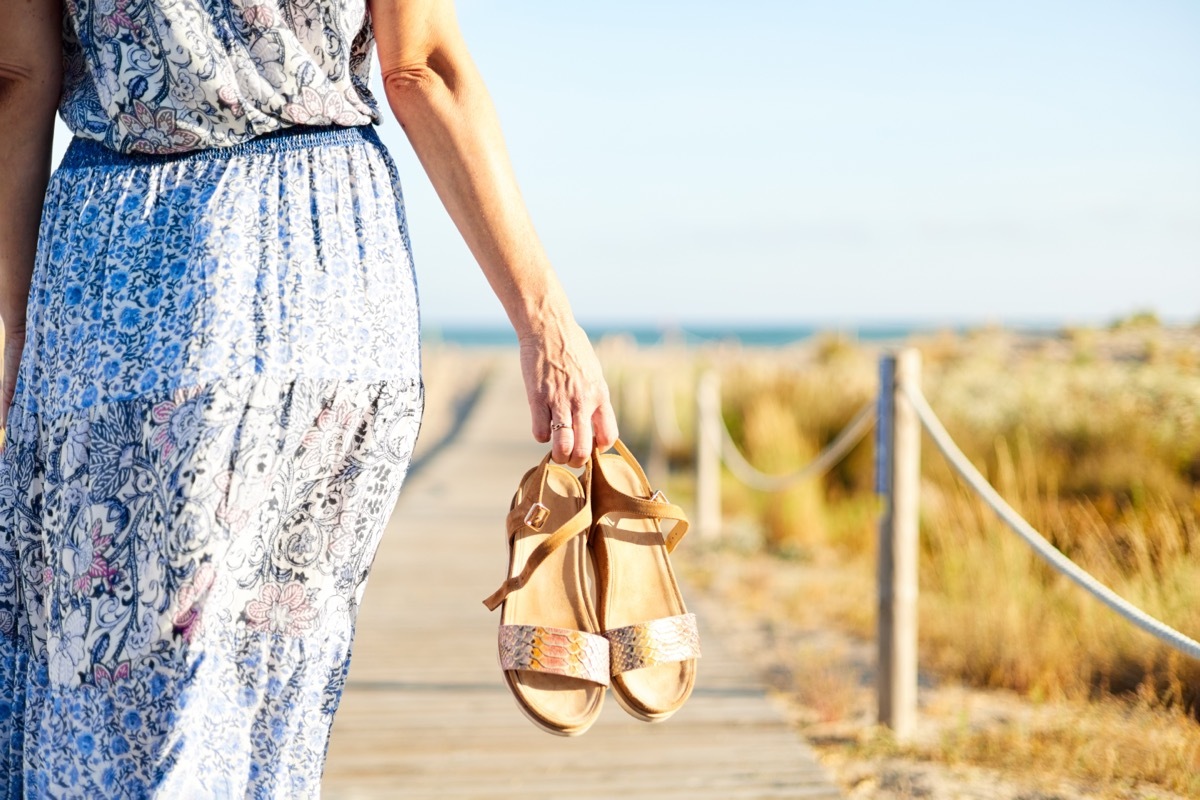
(659,641)
(608,500)
(532,517)
(558,651)
(576,525)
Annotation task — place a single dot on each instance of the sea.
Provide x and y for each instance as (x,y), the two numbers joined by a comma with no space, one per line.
(749,335)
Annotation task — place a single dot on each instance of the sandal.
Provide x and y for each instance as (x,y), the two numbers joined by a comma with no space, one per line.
(654,640)
(554,662)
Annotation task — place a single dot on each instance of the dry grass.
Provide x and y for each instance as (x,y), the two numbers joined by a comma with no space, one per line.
(971,742)
(1155,746)
(1093,435)
(1111,749)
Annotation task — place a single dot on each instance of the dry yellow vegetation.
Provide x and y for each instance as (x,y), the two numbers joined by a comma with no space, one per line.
(1093,435)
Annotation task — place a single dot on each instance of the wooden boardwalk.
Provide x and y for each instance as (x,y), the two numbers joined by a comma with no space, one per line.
(426,713)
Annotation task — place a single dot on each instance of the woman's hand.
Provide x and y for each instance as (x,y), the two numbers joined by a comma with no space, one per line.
(568,397)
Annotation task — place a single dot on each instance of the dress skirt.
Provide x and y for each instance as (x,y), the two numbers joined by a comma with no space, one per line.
(216,405)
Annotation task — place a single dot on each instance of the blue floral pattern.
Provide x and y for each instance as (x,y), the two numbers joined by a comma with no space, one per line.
(217,402)
(168,76)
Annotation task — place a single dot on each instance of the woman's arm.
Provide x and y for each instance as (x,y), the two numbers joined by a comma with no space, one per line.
(30,82)
(441,102)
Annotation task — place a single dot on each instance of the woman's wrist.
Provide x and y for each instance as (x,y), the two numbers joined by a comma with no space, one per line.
(543,313)
(13,318)
(551,325)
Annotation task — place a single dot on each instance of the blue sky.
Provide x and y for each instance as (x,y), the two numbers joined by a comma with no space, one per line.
(803,162)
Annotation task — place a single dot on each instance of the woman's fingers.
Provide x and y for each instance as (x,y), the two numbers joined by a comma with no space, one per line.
(604,426)
(568,398)
(570,438)
(562,437)
(540,413)
(583,439)
(572,442)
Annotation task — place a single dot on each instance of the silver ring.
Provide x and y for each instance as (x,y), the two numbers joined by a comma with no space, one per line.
(558,426)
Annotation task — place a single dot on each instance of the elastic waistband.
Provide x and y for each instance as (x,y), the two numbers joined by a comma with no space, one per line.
(91,153)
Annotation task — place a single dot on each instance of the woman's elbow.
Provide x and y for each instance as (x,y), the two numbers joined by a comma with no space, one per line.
(434,74)
(410,79)
(28,90)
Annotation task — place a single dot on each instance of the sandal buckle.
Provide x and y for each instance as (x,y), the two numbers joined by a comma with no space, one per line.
(536,516)
(658,497)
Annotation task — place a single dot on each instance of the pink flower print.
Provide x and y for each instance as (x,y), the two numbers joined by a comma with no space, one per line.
(281,608)
(343,538)
(113,15)
(234,514)
(104,677)
(189,618)
(98,568)
(259,16)
(178,425)
(161,414)
(156,133)
(314,108)
(323,442)
(228,95)
(267,54)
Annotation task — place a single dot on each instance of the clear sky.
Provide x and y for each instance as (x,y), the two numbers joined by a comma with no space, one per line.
(832,162)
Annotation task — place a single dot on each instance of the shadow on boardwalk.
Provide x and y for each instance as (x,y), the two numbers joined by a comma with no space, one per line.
(426,713)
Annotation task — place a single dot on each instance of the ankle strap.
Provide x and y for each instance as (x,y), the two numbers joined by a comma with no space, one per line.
(532,516)
(609,500)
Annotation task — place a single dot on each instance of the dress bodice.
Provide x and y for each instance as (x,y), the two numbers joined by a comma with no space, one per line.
(164,76)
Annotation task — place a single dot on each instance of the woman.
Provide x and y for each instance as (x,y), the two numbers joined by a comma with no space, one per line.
(211,381)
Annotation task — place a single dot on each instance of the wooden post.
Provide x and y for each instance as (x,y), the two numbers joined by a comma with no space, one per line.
(657,467)
(616,393)
(897,480)
(634,413)
(708,455)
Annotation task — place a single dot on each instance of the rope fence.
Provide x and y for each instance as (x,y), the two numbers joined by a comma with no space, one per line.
(899,414)
(1040,545)
(826,460)
(715,447)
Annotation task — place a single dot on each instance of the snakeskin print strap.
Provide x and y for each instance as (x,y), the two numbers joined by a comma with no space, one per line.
(659,641)
(575,654)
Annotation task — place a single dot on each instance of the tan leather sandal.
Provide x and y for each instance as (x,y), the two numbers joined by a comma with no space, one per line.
(554,661)
(654,640)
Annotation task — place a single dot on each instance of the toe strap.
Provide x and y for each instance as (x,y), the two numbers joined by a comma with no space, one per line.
(659,641)
(559,651)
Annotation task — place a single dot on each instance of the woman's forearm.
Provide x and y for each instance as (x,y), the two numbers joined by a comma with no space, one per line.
(438,97)
(30,83)
(26,131)
(444,108)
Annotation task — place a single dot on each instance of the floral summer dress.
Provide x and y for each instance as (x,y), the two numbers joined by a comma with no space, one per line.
(216,405)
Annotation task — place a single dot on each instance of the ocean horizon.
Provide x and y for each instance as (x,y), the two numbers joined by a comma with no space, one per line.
(749,335)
